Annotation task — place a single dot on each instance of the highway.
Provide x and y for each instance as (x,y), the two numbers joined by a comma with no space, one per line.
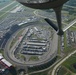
(55,68)
(69,25)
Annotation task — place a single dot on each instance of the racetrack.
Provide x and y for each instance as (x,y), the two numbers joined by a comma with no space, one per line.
(49,55)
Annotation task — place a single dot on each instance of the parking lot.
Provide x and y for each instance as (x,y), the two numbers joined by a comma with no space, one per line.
(34,44)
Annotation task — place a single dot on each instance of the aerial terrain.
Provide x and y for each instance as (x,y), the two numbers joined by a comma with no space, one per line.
(30,46)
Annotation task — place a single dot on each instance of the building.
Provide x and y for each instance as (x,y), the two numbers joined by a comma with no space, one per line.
(6,68)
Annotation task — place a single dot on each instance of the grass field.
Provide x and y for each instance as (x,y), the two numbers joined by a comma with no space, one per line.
(65,40)
(6,11)
(41,73)
(73,28)
(34,58)
(62,71)
(70,62)
(2,4)
(68,74)
(68,49)
(1,51)
(16,38)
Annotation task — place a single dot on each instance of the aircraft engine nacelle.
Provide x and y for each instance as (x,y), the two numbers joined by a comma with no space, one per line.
(47,4)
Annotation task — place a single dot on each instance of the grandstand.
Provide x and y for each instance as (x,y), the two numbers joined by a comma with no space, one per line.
(6,68)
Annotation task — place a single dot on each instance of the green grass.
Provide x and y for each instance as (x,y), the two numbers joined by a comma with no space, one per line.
(33,35)
(41,73)
(13,42)
(73,28)
(1,51)
(65,40)
(34,58)
(69,63)
(68,74)
(16,38)
(62,71)
(68,49)
(4,12)
(59,50)
(21,56)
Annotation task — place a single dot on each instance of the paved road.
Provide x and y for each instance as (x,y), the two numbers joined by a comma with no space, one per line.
(9,10)
(70,6)
(65,28)
(7,5)
(55,68)
(7,52)
(69,25)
